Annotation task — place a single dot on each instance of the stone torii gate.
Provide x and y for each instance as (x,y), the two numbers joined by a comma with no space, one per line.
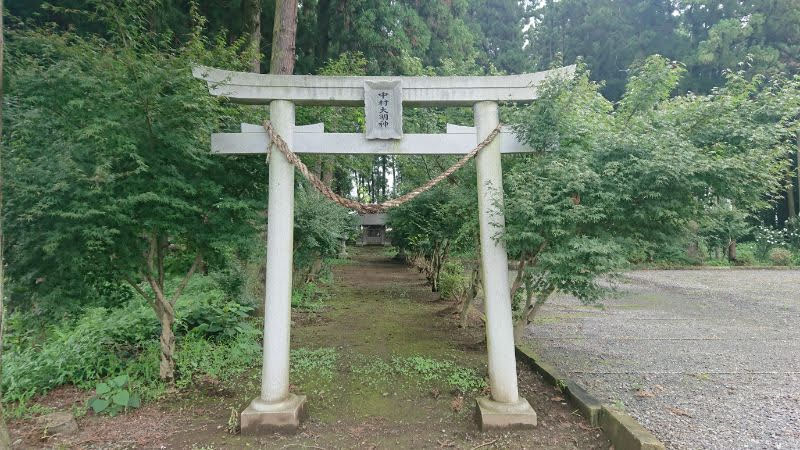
(383,99)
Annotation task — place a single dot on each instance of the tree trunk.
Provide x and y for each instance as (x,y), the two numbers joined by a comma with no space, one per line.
(732,250)
(167,368)
(520,275)
(323,21)
(283,37)
(529,312)
(327,169)
(251,13)
(475,281)
(383,176)
(790,197)
(314,269)
(5,440)
(163,306)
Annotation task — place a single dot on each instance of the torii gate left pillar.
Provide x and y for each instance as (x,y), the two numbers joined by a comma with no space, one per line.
(277,408)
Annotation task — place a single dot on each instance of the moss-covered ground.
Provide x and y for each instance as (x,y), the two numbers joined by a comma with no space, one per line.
(384,365)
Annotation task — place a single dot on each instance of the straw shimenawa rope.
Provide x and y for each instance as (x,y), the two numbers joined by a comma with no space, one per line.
(365,208)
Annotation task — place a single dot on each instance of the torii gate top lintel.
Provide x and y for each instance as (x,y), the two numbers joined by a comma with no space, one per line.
(253,88)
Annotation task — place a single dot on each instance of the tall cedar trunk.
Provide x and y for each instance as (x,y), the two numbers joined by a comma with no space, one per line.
(383,172)
(323,21)
(394,174)
(790,197)
(283,37)
(252,16)
(5,440)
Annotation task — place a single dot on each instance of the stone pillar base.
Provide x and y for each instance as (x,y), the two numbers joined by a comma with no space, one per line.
(265,418)
(494,415)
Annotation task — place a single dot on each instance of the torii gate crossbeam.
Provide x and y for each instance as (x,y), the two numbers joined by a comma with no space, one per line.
(277,408)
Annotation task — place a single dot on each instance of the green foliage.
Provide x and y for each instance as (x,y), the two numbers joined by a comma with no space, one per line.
(454,282)
(320,362)
(465,380)
(424,369)
(209,312)
(609,34)
(722,224)
(780,257)
(108,149)
(214,338)
(419,370)
(94,347)
(114,396)
(436,223)
(745,255)
(320,227)
(767,238)
(220,360)
(612,182)
(309,297)
(709,36)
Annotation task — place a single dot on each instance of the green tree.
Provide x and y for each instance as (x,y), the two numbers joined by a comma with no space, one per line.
(608,34)
(498,25)
(756,37)
(111,174)
(610,185)
(435,225)
(5,440)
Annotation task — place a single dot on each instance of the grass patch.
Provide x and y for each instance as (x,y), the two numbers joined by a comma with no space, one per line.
(319,363)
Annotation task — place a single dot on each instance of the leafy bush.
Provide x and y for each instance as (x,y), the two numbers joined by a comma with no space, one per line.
(214,338)
(780,257)
(94,347)
(113,397)
(745,258)
(767,238)
(453,283)
(205,309)
(221,360)
(320,226)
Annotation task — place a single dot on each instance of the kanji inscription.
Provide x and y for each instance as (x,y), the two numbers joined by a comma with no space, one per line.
(383,108)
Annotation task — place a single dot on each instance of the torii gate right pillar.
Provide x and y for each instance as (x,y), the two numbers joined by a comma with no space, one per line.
(505,408)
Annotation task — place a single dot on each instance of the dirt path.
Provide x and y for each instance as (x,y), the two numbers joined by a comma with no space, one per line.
(383,364)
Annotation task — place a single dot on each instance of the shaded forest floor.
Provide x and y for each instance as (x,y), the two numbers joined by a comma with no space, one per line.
(383,364)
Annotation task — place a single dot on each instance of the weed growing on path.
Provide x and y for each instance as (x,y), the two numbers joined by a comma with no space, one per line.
(319,362)
(418,370)
(309,297)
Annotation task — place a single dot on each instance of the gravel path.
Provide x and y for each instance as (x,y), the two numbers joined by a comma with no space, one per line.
(702,358)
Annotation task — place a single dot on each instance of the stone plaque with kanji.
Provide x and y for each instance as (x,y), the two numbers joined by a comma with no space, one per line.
(383,108)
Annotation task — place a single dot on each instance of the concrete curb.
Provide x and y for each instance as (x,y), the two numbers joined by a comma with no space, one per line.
(624,432)
(722,268)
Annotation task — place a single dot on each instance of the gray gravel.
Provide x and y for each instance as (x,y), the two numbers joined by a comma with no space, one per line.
(702,358)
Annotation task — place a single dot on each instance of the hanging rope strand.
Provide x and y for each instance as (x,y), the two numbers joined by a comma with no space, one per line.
(364,208)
